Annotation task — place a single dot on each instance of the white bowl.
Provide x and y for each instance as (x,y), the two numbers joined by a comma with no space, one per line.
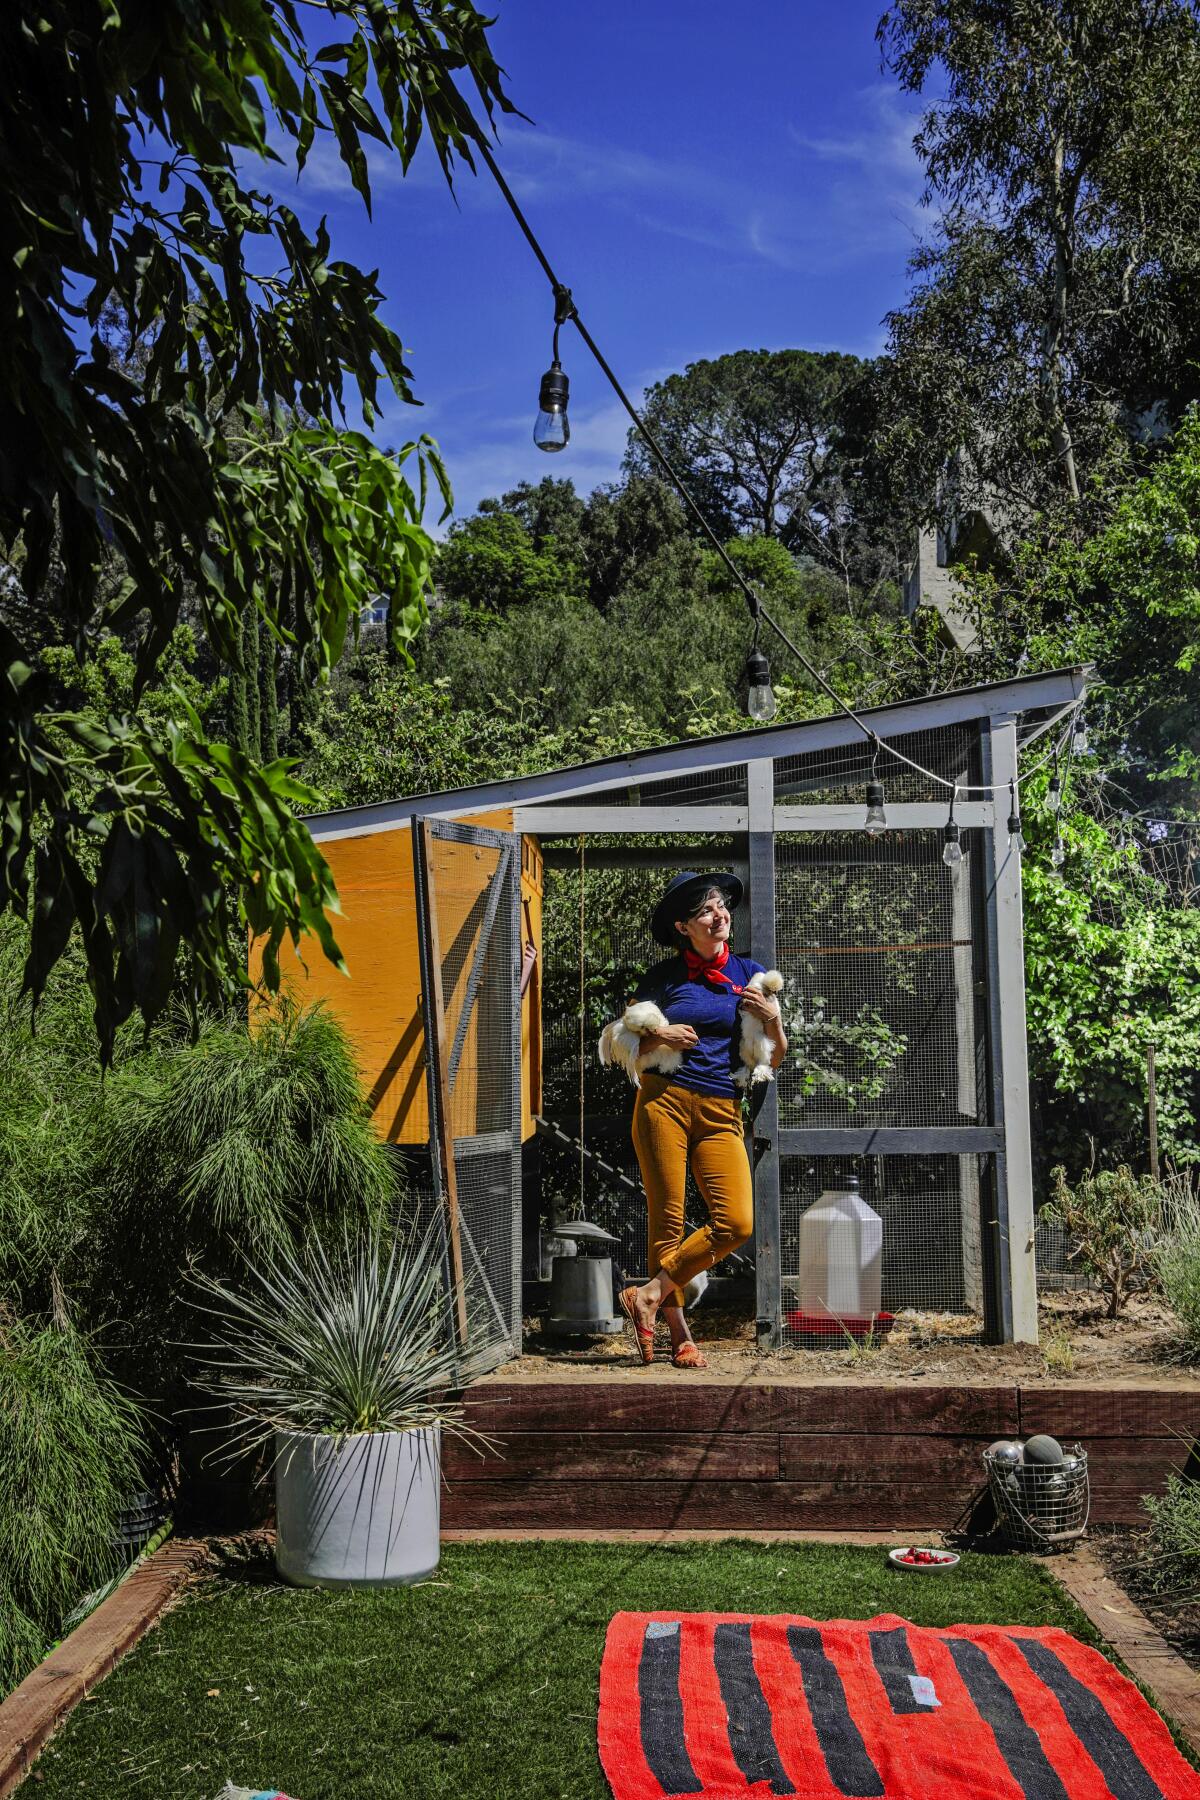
(947,1560)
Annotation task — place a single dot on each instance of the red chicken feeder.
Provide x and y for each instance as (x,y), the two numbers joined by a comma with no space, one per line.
(832,1329)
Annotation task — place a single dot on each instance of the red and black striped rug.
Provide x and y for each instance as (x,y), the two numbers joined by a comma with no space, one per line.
(726,1706)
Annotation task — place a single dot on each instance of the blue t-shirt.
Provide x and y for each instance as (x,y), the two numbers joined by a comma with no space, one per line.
(712,1013)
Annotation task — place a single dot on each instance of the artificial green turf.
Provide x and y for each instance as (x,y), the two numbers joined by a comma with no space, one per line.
(479,1682)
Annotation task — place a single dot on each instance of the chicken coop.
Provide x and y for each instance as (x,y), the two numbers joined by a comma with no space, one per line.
(490,933)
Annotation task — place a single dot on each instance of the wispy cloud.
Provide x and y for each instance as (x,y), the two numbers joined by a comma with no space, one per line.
(838,198)
(869,177)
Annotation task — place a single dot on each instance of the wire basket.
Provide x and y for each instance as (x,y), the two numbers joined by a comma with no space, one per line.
(1041,1506)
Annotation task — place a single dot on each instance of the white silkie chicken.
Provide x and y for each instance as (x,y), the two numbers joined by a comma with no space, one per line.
(621,1043)
(755,1046)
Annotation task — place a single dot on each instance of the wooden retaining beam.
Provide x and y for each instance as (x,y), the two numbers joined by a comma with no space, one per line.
(762,1455)
(31,1712)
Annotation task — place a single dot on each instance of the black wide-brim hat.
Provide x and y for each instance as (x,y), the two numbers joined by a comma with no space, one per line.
(683,894)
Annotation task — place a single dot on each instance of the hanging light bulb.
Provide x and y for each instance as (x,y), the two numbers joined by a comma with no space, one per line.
(876,821)
(1058,855)
(1016,836)
(552,428)
(1079,736)
(952,848)
(760,695)
(1054,793)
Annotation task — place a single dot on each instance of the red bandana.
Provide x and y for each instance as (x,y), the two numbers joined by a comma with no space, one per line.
(710,969)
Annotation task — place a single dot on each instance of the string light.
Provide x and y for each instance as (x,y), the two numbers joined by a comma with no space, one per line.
(552,428)
(1016,836)
(760,695)
(1054,793)
(1079,736)
(875,823)
(952,853)
(1058,855)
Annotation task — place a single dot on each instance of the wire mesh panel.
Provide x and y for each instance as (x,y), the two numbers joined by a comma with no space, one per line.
(593,958)
(471,918)
(840,775)
(703,787)
(885,953)
(876,940)
(1056,1254)
(922,1259)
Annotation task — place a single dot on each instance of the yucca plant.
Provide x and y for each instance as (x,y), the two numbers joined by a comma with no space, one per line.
(334,1341)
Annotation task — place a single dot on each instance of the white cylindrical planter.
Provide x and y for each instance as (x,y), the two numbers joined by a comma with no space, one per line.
(358,1511)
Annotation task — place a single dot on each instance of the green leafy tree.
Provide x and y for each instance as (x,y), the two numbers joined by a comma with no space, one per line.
(1126,599)
(756,436)
(1053,300)
(130,139)
(490,564)
(552,513)
(1112,970)
(631,526)
(386,732)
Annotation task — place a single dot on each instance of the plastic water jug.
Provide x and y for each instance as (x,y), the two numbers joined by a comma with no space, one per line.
(841,1252)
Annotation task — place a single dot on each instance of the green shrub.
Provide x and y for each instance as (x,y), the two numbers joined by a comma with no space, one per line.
(1178,1259)
(50,1100)
(1113,1220)
(232,1145)
(71,1448)
(247,1134)
(1175,1531)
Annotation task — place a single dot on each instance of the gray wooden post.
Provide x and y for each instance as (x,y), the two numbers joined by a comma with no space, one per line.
(1010,1071)
(760,776)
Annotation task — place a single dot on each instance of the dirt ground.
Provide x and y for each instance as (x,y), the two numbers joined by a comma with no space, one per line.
(1154,1585)
(1078,1344)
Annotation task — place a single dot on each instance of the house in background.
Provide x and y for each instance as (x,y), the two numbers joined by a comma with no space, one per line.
(930,581)
(974,525)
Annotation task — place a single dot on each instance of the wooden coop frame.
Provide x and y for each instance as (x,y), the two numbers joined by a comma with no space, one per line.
(432,885)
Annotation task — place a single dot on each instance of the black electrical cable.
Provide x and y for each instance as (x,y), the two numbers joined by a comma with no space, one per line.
(564,309)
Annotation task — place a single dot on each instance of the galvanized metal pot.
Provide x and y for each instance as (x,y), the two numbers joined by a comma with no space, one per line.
(358,1511)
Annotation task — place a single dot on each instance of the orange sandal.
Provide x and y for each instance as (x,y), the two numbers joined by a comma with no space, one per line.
(644,1334)
(688,1356)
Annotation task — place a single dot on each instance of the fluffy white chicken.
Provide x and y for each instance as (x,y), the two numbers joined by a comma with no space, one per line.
(621,1043)
(755,1046)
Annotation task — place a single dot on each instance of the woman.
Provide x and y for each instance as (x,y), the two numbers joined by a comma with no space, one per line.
(696,1112)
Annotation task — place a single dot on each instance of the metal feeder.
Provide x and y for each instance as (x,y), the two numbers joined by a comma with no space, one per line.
(581,1285)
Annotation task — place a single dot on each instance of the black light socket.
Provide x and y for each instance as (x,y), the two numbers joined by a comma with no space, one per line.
(555,390)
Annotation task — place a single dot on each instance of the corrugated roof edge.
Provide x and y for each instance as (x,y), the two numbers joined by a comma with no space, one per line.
(997,699)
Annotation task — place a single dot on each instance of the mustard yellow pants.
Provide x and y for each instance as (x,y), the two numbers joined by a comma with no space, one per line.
(671,1123)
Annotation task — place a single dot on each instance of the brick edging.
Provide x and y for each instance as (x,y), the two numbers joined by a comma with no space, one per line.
(34,1709)
(1125,1627)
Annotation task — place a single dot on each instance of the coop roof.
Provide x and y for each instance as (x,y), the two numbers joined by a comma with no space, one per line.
(1033,701)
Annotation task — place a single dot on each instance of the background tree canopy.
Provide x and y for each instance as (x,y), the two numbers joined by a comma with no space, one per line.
(1053,313)
(211,471)
(759,436)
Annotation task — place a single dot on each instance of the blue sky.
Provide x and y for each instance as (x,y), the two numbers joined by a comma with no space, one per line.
(705,177)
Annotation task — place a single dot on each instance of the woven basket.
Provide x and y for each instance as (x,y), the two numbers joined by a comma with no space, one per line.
(1041,1507)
